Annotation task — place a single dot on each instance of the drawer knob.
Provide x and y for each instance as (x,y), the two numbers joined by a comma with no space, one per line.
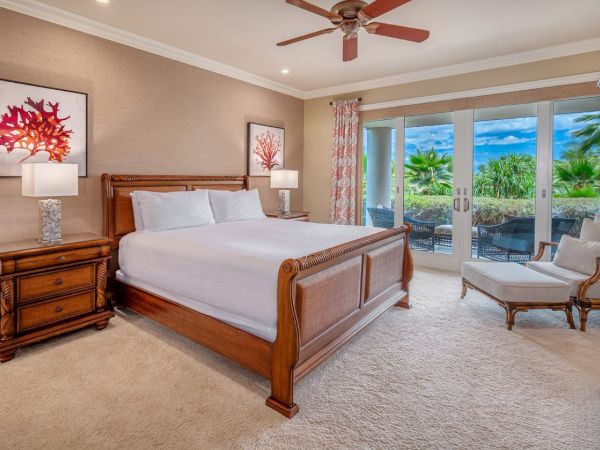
(58,281)
(58,309)
(61,259)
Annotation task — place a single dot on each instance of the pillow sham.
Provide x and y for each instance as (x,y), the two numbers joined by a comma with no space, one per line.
(137,217)
(576,254)
(228,206)
(590,231)
(160,211)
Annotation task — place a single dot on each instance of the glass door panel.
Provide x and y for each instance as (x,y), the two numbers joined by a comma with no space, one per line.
(428,181)
(504,183)
(379,173)
(576,164)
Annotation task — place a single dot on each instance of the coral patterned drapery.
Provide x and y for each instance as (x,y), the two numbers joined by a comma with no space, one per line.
(342,203)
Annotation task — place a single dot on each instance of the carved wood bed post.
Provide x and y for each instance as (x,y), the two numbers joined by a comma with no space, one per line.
(407,269)
(287,344)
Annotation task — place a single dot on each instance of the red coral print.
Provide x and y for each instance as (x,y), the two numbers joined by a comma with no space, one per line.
(266,149)
(35,130)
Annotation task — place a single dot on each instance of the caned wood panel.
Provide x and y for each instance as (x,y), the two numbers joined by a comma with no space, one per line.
(38,314)
(57,258)
(384,268)
(325,298)
(33,286)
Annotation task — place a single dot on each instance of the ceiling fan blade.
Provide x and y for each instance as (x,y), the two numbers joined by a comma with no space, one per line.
(314,9)
(397,31)
(379,7)
(306,36)
(350,47)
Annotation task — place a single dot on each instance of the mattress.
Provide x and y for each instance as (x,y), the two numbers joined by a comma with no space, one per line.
(228,270)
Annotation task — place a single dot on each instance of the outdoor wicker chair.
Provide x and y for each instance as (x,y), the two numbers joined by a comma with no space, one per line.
(514,240)
(421,233)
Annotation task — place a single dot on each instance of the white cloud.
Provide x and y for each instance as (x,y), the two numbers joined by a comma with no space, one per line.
(508,140)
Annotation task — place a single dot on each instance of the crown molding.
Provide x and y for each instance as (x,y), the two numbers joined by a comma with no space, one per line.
(67,19)
(40,10)
(558,51)
(549,82)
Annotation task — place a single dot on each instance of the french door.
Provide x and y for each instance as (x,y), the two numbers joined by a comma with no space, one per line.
(483,184)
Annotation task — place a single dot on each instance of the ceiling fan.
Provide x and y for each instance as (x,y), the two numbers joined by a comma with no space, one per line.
(350,15)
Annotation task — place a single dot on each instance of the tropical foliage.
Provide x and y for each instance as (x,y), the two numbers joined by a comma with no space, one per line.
(510,176)
(429,172)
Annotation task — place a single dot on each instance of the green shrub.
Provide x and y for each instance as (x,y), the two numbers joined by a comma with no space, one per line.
(488,211)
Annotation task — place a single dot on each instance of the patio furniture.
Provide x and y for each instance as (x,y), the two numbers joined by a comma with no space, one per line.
(517,288)
(421,233)
(514,240)
(443,236)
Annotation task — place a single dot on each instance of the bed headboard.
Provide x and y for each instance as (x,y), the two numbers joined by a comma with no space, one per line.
(116,201)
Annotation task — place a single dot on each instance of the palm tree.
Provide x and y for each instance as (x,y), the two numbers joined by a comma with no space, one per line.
(577,177)
(590,133)
(429,172)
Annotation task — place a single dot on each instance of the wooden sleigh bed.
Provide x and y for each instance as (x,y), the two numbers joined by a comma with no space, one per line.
(323,299)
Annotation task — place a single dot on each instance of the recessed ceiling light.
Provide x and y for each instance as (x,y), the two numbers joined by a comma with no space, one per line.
(285,71)
(103,1)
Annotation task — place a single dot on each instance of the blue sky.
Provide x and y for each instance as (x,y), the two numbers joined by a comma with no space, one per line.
(494,138)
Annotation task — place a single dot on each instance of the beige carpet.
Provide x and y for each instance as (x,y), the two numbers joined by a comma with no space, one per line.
(445,374)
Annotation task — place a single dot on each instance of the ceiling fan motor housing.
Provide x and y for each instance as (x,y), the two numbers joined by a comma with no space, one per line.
(348,9)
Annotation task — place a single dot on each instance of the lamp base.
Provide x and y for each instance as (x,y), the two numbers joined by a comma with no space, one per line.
(284,201)
(49,228)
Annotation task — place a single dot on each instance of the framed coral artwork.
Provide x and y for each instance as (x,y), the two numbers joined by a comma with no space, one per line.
(265,149)
(41,124)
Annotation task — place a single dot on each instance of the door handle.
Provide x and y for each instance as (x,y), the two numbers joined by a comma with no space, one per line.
(467,205)
(456,204)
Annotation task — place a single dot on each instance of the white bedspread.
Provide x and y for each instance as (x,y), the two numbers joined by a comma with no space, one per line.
(228,270)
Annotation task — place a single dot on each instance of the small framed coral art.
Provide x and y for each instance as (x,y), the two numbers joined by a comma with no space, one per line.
(265,149)
(41,124)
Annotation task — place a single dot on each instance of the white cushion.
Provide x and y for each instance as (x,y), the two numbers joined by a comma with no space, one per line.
(160,211)
(229,206)
(590,231)
(571,277)
(577,255)
(512,282)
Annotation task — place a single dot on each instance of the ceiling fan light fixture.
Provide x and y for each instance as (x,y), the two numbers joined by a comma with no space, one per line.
(285,71)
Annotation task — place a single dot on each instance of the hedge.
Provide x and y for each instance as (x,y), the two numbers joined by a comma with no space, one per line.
(488,211)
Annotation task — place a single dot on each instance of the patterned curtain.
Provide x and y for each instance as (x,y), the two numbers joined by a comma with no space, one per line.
(342,203)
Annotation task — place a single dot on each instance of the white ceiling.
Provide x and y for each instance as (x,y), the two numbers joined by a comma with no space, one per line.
(243,33)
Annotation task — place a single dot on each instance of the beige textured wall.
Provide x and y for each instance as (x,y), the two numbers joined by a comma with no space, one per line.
(146,114)
(318,117)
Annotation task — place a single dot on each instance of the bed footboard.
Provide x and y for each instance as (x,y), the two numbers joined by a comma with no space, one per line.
(327,297)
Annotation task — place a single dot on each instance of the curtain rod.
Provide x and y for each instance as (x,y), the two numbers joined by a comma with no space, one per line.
(359,99)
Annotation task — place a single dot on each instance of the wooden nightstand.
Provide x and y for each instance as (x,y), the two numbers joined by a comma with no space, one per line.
(46,291)
(301,216)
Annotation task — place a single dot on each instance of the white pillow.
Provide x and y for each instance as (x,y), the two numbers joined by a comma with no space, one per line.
(170,210)
(590,231)
(228,206)
(137,217)
(577,255)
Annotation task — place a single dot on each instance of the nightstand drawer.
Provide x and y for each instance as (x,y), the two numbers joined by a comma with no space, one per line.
(33,286)
(57,258)
(39,314)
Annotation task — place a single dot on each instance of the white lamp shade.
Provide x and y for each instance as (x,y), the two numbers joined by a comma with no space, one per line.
(49,179)
(284,179)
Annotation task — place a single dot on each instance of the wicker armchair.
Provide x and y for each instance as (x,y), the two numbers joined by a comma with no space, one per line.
(514,240)
(584,289)
(421,233)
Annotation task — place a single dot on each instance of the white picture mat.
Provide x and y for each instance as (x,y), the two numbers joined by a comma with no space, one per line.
(70,104)
(255,129)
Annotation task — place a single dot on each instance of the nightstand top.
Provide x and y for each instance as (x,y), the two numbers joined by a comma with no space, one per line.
(31,246)
(290,215)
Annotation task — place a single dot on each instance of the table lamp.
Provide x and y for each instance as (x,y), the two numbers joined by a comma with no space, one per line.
(49,180)
(284,180)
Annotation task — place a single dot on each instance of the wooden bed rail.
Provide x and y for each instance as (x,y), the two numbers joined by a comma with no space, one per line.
(345,278)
